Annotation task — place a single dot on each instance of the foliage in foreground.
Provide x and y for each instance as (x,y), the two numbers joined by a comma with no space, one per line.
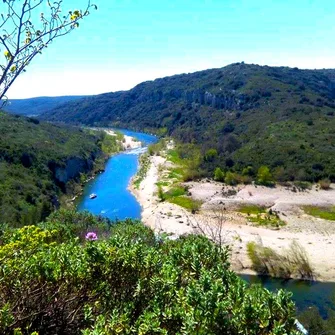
(129,281)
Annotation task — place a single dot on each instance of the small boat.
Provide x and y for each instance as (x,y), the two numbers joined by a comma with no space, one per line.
(93,195)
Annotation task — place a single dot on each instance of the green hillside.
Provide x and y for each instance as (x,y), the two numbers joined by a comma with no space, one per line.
(250,115)
(36,106)
(38,163)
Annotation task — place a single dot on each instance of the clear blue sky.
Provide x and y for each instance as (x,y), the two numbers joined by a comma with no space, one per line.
(126,42)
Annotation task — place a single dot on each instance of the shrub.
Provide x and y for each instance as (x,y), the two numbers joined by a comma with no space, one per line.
(264,176)
(231,178)
(248,171)
(303,185)
(294,263)
(210,155)
(131,282)
(245,180)
(156,149)
(324,184)
(142,172)
(219,174)
(161,195)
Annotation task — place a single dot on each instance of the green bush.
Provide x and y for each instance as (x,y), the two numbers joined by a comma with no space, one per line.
(324,184)
(129,281)
(231,178)
(248,171)
(293,263)
(161,195)
(210,155)
(303,185)
(219,174)
(143,170)
(264,176)
(157,148)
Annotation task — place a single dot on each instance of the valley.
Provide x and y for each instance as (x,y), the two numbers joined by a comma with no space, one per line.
(162,172)
(258,181)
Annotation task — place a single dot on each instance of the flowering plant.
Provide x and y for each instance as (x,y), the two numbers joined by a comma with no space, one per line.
(91,236)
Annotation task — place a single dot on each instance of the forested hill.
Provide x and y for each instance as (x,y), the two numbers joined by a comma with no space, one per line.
(250,115)
(38,163)
(37,106)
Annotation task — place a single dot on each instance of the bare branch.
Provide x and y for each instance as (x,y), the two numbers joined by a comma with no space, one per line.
(23,40)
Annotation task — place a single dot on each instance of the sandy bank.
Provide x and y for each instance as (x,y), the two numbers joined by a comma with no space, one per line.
(128,142)
(317,236)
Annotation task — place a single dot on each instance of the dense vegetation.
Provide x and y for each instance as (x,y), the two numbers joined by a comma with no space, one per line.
(127,281)
(36,106)
(240,118)
(39,162)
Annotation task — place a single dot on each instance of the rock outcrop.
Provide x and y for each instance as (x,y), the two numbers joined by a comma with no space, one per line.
(72,168)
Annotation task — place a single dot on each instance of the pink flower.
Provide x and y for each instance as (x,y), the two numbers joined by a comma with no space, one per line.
(91,236)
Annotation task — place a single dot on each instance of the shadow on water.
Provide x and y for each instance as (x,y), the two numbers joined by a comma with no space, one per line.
(304,293)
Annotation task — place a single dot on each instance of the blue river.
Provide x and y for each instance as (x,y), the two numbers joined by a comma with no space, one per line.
(115,201)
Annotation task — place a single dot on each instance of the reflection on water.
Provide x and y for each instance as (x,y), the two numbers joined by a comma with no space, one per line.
(304,293)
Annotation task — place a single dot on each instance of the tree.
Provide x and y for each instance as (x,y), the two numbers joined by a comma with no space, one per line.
(23,36)
(230,178)
(218,174)
(211,155)
(264,176)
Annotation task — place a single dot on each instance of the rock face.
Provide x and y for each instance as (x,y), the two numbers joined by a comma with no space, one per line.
(230,101)
(72,169)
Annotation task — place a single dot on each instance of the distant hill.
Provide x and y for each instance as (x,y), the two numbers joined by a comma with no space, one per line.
(36,106)
(250,115)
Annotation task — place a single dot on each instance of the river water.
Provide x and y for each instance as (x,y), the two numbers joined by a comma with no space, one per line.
(115,201)
(305,293)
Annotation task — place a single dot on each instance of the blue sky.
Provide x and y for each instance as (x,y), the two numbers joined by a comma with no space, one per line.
(126,42)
